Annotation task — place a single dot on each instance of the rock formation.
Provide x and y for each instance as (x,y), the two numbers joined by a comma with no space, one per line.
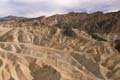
(73,46)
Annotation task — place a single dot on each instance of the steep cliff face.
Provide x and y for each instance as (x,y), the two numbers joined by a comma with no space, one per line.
(73,46)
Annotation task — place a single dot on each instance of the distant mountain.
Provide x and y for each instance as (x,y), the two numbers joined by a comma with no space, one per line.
(9,18)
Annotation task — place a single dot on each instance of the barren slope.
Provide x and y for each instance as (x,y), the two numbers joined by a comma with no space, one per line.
(61,47)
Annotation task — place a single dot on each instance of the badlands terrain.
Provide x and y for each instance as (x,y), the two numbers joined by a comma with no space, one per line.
(73,46)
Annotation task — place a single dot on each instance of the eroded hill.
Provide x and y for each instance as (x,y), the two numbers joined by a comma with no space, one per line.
(73,46)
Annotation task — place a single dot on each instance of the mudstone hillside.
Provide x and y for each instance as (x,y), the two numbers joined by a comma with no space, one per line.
(73,46)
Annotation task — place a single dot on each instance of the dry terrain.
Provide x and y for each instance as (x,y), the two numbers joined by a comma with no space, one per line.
(73,46)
